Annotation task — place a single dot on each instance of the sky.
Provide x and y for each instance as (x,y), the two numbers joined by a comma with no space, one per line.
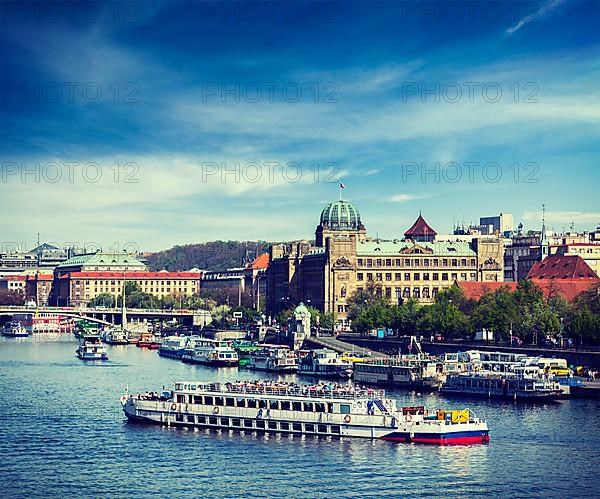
(142,125)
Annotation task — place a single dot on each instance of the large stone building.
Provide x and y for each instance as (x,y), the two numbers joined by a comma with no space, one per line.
(344,260)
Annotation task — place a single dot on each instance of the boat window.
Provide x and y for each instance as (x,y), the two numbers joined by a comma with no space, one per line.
(262,404)
(309,428)
(319,407)
(344,409)
(274,404)
(179,417)
(272,425)
(197,399)
(191,399)
(297,406)
(181,399)
(201,419)
(322,428)
(208,400)
(252,403)
(248,423)
(212,421)
(285,405)
(229,402)
(284,426)
(241,402)
(308,406)
(335,429)
(190,419)
(296,427)
(260,423)
(330,407)
(218,400)
(235,422)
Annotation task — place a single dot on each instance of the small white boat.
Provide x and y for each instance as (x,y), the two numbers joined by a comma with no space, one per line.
(212,353)
(91,348)
(116,336)
(15,330)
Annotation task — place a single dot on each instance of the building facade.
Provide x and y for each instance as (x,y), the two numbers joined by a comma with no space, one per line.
(345,260)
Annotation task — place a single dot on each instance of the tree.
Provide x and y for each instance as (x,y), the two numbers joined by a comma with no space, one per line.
(12,297)
(103,300)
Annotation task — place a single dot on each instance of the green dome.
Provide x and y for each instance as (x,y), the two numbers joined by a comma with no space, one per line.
(341,215)
(301,309)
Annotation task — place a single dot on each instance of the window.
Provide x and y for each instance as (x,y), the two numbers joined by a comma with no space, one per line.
(340,309)
(434,292)
(359,262)
(369,276)
(397,276)
(359,276)
(297,406)
(218,400)
(473,276)
(463,276)
(436,276)
(416,293)
(398,262)
(425,292)
(407,262)
(453,277)
(388,292)
(369,262)
(248,423)
(417,276)
(406,292)
(241,402)
(273,404)
(229,402)
(444,276)
(436,262)
(407,276)
(252,403)
(454,262)
(463,262)
(426,262)
(426,276)
(378,276)
(473,263)
(344,409)
(307,406)
(444,262)
(379,262)
(388,276)
(208,401)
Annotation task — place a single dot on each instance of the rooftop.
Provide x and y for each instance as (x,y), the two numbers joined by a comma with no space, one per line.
(562,267)
(99,258)
(420,228)
(441,248)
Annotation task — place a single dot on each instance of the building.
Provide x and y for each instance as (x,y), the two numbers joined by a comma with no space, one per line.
(589,252)
(101,262)
(345,260)
(80,287)
(241,286)
(566,276)
(13,283)
(501,225)
(16,262)
(39,288)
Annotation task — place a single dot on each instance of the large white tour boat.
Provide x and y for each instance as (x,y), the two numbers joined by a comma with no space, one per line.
(276,358)
(327,410)
(212,353)
(91,348)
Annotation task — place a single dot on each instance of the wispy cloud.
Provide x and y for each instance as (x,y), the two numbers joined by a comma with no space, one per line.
(545,9)
(565,217)
(403,198)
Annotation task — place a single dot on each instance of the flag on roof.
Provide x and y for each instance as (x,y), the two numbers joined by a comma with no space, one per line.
(342,186)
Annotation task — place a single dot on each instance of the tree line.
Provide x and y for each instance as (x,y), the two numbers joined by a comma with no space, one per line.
(527,313)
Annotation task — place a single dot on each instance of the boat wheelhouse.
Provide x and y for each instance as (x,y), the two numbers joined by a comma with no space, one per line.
(275,358)
(173,347)
(324,363)
(212,353)
(505,386)
(325,410)
(91,348)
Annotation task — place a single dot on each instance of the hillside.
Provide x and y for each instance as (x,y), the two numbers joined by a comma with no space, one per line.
(214,255)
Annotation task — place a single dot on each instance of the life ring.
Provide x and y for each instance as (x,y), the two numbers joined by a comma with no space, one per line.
(359,404)
(123,399)
(173,406)
(408,417)
(347,418)
(215,410)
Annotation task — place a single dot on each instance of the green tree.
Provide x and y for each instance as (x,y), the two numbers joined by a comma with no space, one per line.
(103,300)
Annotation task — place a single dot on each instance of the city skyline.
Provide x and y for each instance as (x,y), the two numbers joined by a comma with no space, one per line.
(455,114)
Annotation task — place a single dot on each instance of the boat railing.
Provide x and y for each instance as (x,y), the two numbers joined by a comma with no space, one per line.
(293,391)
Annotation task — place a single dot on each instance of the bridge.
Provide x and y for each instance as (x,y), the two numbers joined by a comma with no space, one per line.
(110,316)
(341,346)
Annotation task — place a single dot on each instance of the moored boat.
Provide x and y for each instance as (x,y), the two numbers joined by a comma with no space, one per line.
(173,347)
(15,330)
(327,410)
(147,340)
(211,353)
(502,386)
(116,336)
(274,358)
(414,374)
(324,363)
(91,348)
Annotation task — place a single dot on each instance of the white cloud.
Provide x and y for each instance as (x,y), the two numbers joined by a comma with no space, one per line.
(542,11)
(566,217)
(402,198)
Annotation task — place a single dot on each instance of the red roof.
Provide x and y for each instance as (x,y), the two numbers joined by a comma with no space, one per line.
(260,262)
(476,289)
(568,288)
(420,228)
(562,267)
(136,275)
(13,278)
(40,277)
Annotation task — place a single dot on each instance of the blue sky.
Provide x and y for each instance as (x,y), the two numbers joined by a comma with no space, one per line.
(458,109)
